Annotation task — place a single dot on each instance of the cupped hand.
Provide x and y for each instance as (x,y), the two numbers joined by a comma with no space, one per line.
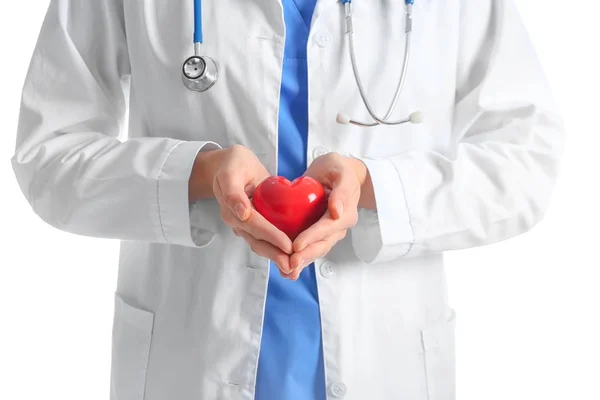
(238,173)
(343,177)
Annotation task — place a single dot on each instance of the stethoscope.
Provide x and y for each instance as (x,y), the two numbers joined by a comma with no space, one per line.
(200,73)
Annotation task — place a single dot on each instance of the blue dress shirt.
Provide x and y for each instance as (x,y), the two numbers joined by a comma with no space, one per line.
(290,365)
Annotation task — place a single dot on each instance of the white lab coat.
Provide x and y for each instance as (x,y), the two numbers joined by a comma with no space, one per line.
(190,299)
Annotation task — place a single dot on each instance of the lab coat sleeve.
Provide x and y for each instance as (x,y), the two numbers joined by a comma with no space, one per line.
(496,177)
(70,163)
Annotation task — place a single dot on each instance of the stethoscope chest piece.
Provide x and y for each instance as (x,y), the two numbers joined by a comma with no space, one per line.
(200,73)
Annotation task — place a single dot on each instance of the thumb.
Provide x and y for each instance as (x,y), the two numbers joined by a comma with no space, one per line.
(232,193)
(240,206)
(336,204)
(341,191)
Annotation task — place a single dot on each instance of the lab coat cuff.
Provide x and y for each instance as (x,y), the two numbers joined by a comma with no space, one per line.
(385,234)
(173,196)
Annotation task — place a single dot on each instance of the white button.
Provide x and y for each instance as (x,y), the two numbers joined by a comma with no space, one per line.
(337,389)
(323,38)
(319,151)
(327,269)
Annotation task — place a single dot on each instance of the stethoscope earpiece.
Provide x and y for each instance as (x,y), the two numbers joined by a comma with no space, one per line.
(199,73)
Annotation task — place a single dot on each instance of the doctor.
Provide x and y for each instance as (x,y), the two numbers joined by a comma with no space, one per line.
(114,143)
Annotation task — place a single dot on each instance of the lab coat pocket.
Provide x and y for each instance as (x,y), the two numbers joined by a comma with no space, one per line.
(439,350)
(132,334)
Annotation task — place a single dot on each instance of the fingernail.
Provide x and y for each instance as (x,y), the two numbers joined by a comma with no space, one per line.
(302,247)
(280,268)
(300,264)
(283,270)
(240,211)
(297,275)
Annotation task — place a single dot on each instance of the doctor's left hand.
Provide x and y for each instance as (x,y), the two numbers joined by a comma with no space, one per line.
(344,177)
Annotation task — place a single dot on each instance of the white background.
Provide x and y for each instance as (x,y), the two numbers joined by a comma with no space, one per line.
(527,308)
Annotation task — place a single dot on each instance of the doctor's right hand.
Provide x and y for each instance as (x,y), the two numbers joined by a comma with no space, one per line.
(231,175)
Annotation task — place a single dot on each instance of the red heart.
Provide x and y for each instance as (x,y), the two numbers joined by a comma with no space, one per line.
(290,206)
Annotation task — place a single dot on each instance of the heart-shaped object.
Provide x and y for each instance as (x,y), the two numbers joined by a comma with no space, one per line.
(291,206)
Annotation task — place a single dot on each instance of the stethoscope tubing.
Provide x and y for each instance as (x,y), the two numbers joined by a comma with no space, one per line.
(402,80)
(209,75)
(197,23)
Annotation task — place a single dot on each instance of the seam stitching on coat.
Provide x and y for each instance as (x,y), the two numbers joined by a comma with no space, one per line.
(426,365)
(162,229)
(410,224)
(148,359)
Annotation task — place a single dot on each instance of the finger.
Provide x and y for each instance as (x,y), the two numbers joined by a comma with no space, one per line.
(343,190)
(264,249)
(304,258)
(251,187)
(321,230)
(261,229)
(230,189)
(295,274)
(286,276)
